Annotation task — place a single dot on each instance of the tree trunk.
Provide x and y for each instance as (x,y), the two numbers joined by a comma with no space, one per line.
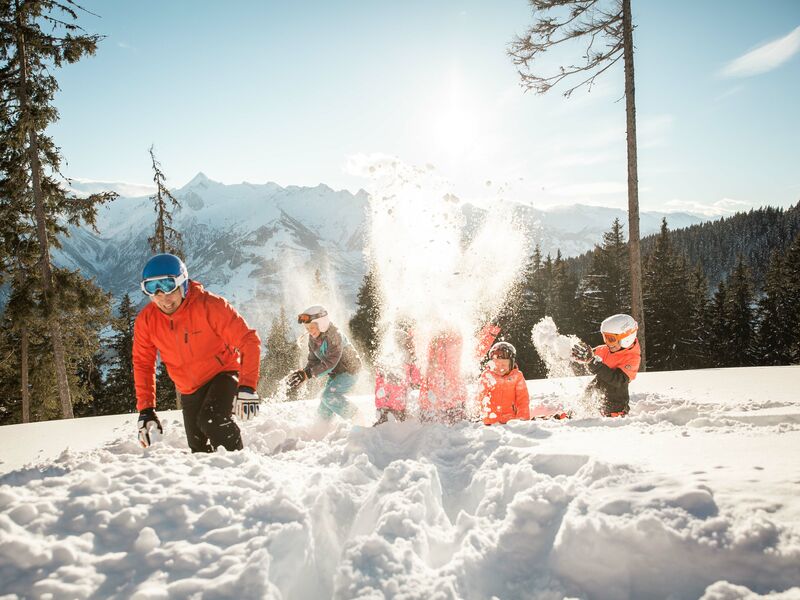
(633,179)
(26,393)
(41,231)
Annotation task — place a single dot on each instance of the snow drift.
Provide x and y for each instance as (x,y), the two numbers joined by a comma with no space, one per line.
(694,495)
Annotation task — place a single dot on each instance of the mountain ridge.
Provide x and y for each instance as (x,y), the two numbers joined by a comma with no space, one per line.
(263,245)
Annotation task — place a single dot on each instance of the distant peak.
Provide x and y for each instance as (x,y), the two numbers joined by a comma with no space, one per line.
(198,179)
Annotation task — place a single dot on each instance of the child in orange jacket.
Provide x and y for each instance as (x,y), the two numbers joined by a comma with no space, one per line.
(613,364)
(503,391)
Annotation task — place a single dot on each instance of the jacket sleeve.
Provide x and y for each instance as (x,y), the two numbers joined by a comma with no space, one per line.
(522,400)
(312,361)
(331,358)
(234,330)
(486,338)
(613,378)
(144,365)
(632,368)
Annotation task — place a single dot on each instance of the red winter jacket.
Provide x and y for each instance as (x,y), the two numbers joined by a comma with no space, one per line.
(391,390)
(503,397)
(443,386)
(204,337)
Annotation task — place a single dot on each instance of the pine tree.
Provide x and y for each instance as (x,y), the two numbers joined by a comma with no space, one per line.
(732,316)
(605,290)
(560,21)
(698,350)
(740,314)
(364,323)
(121,391)
(30,161)
(524,307)
(17,346)
(90,377)
(281,356)
(84,315)
(561,297)
(756,235)
(319,289)
(792,269)
(24,322)
(777,338)
(720,354)
(667,305)
(165,238)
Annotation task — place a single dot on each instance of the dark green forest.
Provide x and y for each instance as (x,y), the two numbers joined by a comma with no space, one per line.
(724,293)
(705,307)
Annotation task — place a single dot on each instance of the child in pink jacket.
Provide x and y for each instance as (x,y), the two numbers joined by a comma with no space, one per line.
(393,385)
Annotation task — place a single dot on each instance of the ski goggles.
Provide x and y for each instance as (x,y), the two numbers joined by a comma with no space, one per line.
(304,318)
(616,338)
(163,283)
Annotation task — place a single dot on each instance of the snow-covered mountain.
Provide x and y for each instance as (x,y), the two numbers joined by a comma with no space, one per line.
(262,245)
(693,495)
(243,241)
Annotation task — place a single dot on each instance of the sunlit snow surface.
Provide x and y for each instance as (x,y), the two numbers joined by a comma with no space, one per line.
(695,494)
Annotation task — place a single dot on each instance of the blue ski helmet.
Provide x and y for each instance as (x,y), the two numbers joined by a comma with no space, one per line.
(162,265)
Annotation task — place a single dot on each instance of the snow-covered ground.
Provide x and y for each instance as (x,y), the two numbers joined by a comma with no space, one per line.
(694,495)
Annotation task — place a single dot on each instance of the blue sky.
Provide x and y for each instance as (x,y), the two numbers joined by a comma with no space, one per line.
(261,91)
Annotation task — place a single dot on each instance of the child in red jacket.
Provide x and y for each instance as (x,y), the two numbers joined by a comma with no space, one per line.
(503,391)
(443,394)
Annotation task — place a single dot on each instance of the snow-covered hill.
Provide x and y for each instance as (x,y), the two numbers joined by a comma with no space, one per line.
(261,245)
(694,495)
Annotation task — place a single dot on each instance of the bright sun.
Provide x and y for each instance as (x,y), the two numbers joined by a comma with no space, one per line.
(453,122)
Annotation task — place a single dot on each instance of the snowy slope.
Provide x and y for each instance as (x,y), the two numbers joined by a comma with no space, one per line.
(693,495)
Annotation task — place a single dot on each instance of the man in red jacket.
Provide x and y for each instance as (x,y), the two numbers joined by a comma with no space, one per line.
(210,352)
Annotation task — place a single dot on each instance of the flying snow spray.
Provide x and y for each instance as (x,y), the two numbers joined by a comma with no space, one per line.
(435,275)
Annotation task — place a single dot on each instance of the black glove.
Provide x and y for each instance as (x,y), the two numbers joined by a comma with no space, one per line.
(582,353)
(148,420)
(246,403)
(296,378)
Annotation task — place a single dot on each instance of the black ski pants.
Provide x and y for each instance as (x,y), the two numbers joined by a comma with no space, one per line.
(207,415)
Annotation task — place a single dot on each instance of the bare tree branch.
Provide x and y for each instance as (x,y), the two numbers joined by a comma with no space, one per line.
(585,18)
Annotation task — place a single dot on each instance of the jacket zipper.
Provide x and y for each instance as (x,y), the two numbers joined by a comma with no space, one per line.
(188,350)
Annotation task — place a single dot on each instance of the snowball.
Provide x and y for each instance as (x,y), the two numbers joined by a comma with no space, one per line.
(147,540)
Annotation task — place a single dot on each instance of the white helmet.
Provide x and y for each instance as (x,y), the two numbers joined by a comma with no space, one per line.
(315,314)
(619,329)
